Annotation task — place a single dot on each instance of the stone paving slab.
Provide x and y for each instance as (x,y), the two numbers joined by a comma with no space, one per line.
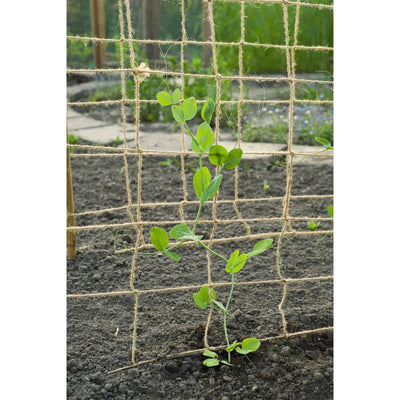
(97,132)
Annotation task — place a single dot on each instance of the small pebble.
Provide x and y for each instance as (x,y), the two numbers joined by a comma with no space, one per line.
(318,376)
(275,357)
(97,378)
(171,366)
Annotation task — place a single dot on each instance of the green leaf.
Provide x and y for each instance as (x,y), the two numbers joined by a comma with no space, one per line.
(176,96)
(189,108)
(248,346)
(330,211)
(211,362)
(208,110)
(209,353)
(179,231)
(182,231)
(197,299)
(236,262)
(326,143)
(178,114)
(234,157)
(226,362)
(260,246)
(159,238)
(201,180)
(164,98)
(202,297)
(205,138)
(171,254)
(217,154)
(211,189)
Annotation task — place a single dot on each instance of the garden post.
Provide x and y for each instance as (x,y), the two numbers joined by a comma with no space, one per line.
(71,235)
(151,27)
(206,36)
(99,30)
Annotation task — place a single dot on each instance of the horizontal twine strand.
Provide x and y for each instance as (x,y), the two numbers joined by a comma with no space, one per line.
(216,348)
(242,238)
(297,3)
(200,222)
(256,78)
(133,151)
(198,42)
(249,101)
(194,202)
(190,287)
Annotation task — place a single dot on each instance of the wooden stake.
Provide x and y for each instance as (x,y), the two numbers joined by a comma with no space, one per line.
(99,31)
(151,28)
(206,36)
(71,235)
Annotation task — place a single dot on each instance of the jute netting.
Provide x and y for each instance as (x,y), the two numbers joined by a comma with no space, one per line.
(134,206)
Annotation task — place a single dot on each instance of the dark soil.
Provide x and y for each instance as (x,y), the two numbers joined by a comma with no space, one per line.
(99,337)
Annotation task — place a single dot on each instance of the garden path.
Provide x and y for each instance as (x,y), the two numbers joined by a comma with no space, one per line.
(160,137)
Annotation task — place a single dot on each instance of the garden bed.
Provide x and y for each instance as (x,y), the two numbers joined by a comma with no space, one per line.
(99,337)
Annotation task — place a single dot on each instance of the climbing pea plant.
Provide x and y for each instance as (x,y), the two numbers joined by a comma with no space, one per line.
(206,187)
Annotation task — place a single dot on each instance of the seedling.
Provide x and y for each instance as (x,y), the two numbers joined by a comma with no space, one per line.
(72,139)
(170,161)
(266,186)
(206,187)
(312,225)
(117,141)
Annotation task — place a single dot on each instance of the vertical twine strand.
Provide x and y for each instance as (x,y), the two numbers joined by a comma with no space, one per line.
(289,158)
(239,110)
(183,147)
(123,116)
(135,322)
(139,175)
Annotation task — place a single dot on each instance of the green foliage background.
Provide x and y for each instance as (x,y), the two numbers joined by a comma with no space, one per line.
(264,24)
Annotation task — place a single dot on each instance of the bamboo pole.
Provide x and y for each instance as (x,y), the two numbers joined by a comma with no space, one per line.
(99,30)
(71,234)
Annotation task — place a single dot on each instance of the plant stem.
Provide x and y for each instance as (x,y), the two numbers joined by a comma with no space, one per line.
(318,152)
(177,244)
(197,218)
(190,134)
(226,307)
(227,339)
(213,252)
(231,292)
